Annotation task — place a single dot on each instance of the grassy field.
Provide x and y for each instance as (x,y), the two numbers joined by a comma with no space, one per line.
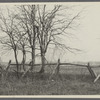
(71,81)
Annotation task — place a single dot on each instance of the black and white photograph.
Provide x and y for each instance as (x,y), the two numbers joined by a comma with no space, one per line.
(50,49)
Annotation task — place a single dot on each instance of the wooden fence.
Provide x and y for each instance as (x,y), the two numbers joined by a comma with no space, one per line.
(88,66)
(81,65)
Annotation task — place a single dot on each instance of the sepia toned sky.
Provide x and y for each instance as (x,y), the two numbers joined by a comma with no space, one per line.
(87,37)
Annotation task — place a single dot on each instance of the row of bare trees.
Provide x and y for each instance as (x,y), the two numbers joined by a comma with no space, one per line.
(35,27)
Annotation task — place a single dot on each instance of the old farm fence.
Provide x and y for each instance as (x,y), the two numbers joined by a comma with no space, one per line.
(61,67)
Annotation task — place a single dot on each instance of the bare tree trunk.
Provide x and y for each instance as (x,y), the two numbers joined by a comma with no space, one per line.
(16,63)
(33,12)
(33,57)
(24,59)
(43,62)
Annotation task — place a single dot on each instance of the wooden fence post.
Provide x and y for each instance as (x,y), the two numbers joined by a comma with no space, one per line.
(91,71)
(4,72)
(8,65)
(56,70)
(58,67)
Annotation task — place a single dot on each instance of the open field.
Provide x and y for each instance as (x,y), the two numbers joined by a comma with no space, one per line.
(71,81)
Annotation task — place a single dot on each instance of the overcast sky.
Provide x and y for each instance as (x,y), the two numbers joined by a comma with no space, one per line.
(87,37)
(89,34)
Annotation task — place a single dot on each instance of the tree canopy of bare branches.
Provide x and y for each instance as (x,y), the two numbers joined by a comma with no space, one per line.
(36,27)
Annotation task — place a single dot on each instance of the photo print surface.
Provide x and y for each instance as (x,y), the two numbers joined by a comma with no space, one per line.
(50,48)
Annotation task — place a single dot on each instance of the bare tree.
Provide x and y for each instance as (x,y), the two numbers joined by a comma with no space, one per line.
(38,24)
(9,42)
(22,46)
(27,19)
(52,24)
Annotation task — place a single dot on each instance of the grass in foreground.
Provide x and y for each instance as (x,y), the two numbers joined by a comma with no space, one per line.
(36,84)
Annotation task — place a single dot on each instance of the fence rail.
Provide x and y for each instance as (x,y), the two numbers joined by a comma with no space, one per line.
(82,65)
